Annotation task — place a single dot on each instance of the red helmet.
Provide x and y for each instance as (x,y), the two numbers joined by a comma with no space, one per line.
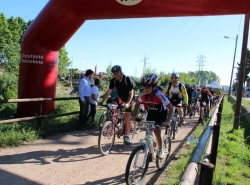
(149,80)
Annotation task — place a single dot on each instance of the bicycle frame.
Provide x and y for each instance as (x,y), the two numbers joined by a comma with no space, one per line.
(146,140)
(117,114)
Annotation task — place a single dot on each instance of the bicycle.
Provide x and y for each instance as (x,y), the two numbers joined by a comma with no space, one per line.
(105,116)
(204,112)
(115,126)
(145,152)
(192,109)
(173,126)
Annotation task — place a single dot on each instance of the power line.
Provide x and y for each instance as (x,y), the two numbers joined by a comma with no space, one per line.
(178,28)
(197,35)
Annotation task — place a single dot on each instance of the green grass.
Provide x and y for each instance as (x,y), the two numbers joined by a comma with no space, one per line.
(233,161)
(246,102)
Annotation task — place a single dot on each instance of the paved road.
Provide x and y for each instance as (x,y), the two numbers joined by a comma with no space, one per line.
(74,158)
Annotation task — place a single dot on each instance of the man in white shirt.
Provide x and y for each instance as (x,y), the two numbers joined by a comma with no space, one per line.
(94,100)
(84,94)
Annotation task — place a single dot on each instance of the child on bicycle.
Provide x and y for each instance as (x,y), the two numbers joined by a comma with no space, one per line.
(156,103)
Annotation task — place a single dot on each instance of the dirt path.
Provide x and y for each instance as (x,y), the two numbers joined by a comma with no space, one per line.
(74,158)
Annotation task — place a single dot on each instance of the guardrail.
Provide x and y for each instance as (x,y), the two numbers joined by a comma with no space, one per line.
(207,166)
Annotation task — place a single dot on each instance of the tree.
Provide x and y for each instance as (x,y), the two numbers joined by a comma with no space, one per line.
(11,31)
(108,71)
(63,62)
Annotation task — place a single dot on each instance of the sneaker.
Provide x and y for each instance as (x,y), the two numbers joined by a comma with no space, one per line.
(127,140)
(160,154)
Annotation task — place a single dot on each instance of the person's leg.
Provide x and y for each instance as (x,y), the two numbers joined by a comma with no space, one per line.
(93,110)
(91,113)
(86,110)
(81,114)
(157,132)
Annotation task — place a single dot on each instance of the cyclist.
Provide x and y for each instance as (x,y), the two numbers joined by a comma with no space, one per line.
(191,96)
(211,99)
(217,95)
(125,91)
(204,96)
(176,92)
(197,92)
(156,103)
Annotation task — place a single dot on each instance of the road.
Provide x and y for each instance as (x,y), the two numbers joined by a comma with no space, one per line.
(74,158)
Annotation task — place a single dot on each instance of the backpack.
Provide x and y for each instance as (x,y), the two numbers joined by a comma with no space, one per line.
(169,86)
(130,79)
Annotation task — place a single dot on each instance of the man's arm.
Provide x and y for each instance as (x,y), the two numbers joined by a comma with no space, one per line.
(106,95)
(130,97)
(80,90)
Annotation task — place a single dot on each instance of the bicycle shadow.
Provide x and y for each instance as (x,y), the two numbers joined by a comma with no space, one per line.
(48,157)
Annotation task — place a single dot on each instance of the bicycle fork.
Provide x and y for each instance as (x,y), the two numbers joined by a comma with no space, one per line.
(145,151)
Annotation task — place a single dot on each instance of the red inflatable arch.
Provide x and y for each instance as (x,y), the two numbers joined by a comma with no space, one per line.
(60,19)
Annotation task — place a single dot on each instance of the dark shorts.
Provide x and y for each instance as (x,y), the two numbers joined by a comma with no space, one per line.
(206,100)
(159,118)
(176,102)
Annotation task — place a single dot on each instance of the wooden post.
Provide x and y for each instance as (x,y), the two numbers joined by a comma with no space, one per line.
(207,173)
(241,73)
(215,142)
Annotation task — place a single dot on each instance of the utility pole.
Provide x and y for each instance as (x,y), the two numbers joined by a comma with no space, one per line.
(145,64)
(135,72)
(241,73)
(200,66)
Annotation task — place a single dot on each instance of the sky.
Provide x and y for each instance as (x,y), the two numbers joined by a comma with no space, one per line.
(169,44)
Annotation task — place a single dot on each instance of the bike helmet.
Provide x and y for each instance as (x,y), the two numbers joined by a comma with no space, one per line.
(149,80)
(187,86)
(203,86)
(175,75)
(116,68)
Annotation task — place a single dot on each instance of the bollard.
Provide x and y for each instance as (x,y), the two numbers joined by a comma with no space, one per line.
(215,142)
(206,174)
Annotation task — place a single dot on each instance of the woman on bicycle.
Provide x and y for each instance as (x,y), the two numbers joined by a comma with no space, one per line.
(156,103)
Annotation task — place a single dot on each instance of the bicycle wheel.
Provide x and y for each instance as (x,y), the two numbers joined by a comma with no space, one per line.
(161,163)
(204,113)
(106,138)
(175,129)
(103,118)
(137,166)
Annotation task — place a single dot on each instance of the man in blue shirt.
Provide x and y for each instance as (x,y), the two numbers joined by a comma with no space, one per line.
(84,94)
